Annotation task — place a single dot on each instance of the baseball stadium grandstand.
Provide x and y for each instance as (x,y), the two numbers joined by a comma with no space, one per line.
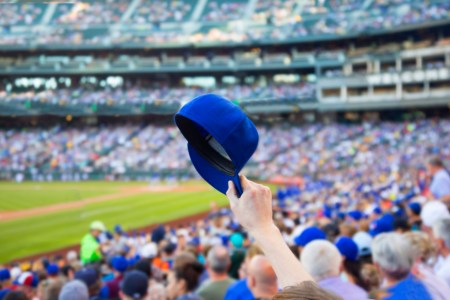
(99,198)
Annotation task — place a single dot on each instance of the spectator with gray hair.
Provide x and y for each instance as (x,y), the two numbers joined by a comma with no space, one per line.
(424,250)
(393,256)
(323,261)
(441,232)
(217,263)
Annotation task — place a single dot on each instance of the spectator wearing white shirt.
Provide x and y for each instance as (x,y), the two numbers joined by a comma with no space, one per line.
(441,232)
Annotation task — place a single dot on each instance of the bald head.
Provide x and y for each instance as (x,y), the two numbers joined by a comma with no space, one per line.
(262,280)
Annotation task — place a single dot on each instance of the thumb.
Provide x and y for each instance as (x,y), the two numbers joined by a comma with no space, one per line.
(245,183)
(231,193)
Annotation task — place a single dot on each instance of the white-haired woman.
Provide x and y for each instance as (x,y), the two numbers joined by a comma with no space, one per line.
(393,256)
(425,253)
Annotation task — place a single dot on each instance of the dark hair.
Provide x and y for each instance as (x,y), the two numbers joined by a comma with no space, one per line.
(15,295)
(354,269)
(144,265)
(436,161)
(402,224)
(189,272)
(66,269)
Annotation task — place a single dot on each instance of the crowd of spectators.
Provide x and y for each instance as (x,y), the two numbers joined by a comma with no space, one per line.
(281,20)
(90,12)
(153,11)
(142,95)
(344,232)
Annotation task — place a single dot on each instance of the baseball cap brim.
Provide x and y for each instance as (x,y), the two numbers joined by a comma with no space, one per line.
(213,176)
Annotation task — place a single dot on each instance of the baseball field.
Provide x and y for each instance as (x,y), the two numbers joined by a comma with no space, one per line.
(40,217)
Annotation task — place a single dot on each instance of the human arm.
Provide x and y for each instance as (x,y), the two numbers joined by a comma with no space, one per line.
(253,210)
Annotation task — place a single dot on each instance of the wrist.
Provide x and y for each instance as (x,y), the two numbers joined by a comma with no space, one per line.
(264,233)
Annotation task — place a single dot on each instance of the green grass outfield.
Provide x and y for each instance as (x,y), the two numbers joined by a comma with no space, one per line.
(38,234)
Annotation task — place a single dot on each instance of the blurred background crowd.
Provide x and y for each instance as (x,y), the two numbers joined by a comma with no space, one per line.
(214,21)
(368,218)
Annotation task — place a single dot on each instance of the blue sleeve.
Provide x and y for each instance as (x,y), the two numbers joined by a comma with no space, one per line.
(104,292)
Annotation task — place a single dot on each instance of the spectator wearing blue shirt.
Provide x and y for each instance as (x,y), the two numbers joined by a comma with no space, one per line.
(440,183)
(262,279)
(394,256)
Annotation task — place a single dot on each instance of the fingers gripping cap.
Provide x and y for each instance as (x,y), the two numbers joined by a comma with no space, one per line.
(221,139)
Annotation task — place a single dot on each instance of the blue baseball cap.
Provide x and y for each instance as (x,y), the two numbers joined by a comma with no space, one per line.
(347,247)
(415,207)
(5,274)
(381,225)
(355,214)
(52,269)
(308,235)
(119,263)
(88,275)
(135,284)
(221,139)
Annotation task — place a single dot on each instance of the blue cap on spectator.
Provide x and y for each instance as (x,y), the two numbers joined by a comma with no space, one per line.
(348,248)
(377,210)
(119,263)
(88,275)
(355,214)
(158,234)
(135,284)
(118,229)
(52,269)
(5,274)
(415,208)
(308,235)
(381,225)
(221,139)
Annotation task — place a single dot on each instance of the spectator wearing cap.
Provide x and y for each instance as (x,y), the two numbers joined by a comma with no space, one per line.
(217,265)
(413,213)
(5,278)
(262,279)
(27,283)
(110,289)
(134,286)
(424,253)
(350,262)
(184,279)
(74,290)
(50,288)
(237,254)
(393,256)
(91,278)
(382,225)
(354,216)
(118,245)
(90,247)
(308,235)
(364,241)
(440,183)
(323,261)
(52,270)
(156,291)
(441,233)
(240,289)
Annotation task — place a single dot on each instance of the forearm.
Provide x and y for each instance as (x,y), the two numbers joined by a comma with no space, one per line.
(288,268)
